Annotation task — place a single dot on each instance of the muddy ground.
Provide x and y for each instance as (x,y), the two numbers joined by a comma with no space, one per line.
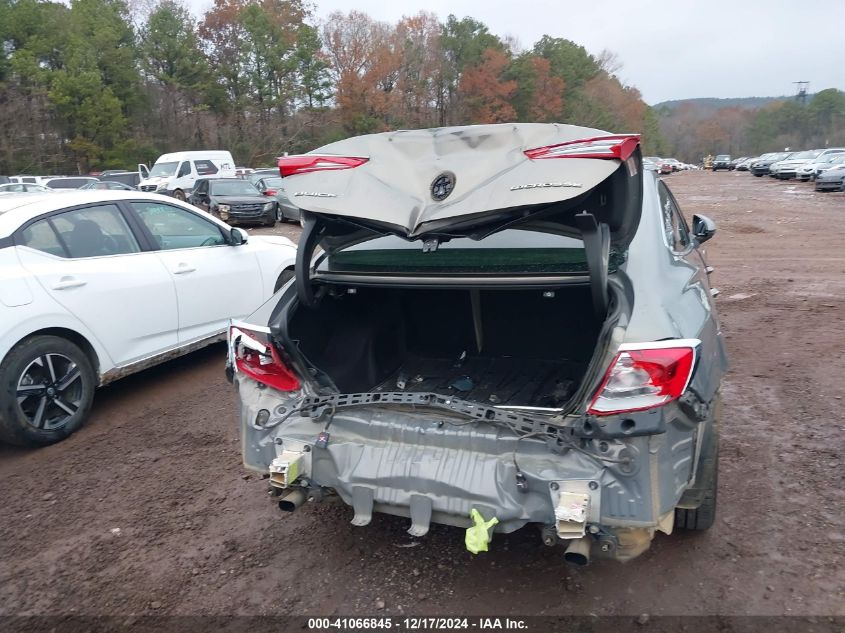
(148,510)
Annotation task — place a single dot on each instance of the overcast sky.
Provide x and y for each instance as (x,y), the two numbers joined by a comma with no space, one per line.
(670,49)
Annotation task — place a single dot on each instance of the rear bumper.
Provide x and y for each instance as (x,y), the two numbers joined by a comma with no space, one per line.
(432,467)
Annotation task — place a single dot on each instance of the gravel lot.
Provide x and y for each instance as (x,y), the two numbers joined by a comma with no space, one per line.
(147,510)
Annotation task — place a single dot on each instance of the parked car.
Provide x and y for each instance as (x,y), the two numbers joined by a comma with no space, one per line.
(100,284)
(31,180)
(832,178)
(722,161)
(23,188)
(260,174)
(810,169)
(736,161)
(234,200)
(274,186)
(176,174)
(760,167)
(465,340)
(128,178)
(745,165)
(665,167)
(109,185)
(70,182)
(788,169)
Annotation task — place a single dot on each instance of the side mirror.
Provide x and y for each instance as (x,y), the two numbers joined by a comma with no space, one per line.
(703,228)
(239,236)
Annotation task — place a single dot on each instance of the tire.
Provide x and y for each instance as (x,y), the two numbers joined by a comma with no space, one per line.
(286,276)
(179,195)
(759,175)
(61,380)
(702,517)
(280,217)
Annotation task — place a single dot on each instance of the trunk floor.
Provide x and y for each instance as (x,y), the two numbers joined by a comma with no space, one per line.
(495,381)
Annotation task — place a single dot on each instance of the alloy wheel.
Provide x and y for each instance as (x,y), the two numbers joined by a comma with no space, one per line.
(50,391)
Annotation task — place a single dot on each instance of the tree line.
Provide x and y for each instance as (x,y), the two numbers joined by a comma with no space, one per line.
(691,130)
(97,84)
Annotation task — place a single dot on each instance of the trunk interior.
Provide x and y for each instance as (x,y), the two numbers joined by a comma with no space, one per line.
(497,347)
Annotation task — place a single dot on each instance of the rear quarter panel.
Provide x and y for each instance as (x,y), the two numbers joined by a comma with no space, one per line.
(672,296)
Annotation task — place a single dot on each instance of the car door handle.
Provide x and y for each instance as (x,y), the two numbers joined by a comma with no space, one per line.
(709,269)
(65,283)
(182,269)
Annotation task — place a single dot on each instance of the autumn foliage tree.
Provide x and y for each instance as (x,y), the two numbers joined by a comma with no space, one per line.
(486,93)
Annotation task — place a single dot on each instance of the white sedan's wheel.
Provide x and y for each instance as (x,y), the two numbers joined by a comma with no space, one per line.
(47,385)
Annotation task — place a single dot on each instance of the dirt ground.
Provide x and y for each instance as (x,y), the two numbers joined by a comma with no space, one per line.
(147,509)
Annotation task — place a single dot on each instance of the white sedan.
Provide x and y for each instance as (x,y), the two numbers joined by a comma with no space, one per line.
(95,285)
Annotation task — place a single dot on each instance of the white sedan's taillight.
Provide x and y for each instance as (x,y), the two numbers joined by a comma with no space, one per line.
(646,375)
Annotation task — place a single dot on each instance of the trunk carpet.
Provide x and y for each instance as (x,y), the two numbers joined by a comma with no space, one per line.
(489,380)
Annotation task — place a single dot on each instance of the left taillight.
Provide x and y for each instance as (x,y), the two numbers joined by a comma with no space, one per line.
(619,146)
(643,376)
(254,355)
(305,163)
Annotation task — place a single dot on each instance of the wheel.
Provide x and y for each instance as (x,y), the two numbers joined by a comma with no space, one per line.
(280,217)
(285,277)
(703,516)
(179,195)
(47,385)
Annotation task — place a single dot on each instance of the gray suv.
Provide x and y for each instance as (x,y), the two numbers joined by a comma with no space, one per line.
(490,326)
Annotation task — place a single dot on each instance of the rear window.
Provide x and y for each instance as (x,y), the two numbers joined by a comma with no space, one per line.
(512,251)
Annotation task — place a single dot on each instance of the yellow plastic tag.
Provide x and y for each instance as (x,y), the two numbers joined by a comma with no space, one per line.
(479,534)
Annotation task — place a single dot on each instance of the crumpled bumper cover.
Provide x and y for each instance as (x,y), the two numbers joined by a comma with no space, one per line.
(433,467)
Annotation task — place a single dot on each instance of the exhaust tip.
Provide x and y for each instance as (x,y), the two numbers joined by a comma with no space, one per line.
(578,552)
(576,558)
(292,501)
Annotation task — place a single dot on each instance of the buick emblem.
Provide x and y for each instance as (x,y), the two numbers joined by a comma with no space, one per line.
(442,186)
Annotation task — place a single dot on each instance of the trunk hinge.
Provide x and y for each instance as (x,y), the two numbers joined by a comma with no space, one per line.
(596,237)
(312,231)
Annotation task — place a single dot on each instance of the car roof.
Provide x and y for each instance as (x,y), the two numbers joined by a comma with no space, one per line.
(17,208)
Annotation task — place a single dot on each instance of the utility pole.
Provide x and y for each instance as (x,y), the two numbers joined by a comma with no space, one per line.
(801,94)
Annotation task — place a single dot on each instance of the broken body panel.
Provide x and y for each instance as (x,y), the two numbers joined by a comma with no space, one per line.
(383,445)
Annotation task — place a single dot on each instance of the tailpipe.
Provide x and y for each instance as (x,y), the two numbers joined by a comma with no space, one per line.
(578,552)
(292,500)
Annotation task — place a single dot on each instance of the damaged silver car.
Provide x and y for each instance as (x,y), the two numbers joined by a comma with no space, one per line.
(490,326)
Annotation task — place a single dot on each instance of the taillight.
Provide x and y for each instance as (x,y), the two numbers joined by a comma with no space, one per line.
(270,192)
(619,146)
(305,163)
(646,375)
(255,356)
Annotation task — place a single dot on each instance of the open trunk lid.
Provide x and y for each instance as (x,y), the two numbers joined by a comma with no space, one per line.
(436,184)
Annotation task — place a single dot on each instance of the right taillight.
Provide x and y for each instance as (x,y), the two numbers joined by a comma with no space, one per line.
(646,375)
(255,356)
